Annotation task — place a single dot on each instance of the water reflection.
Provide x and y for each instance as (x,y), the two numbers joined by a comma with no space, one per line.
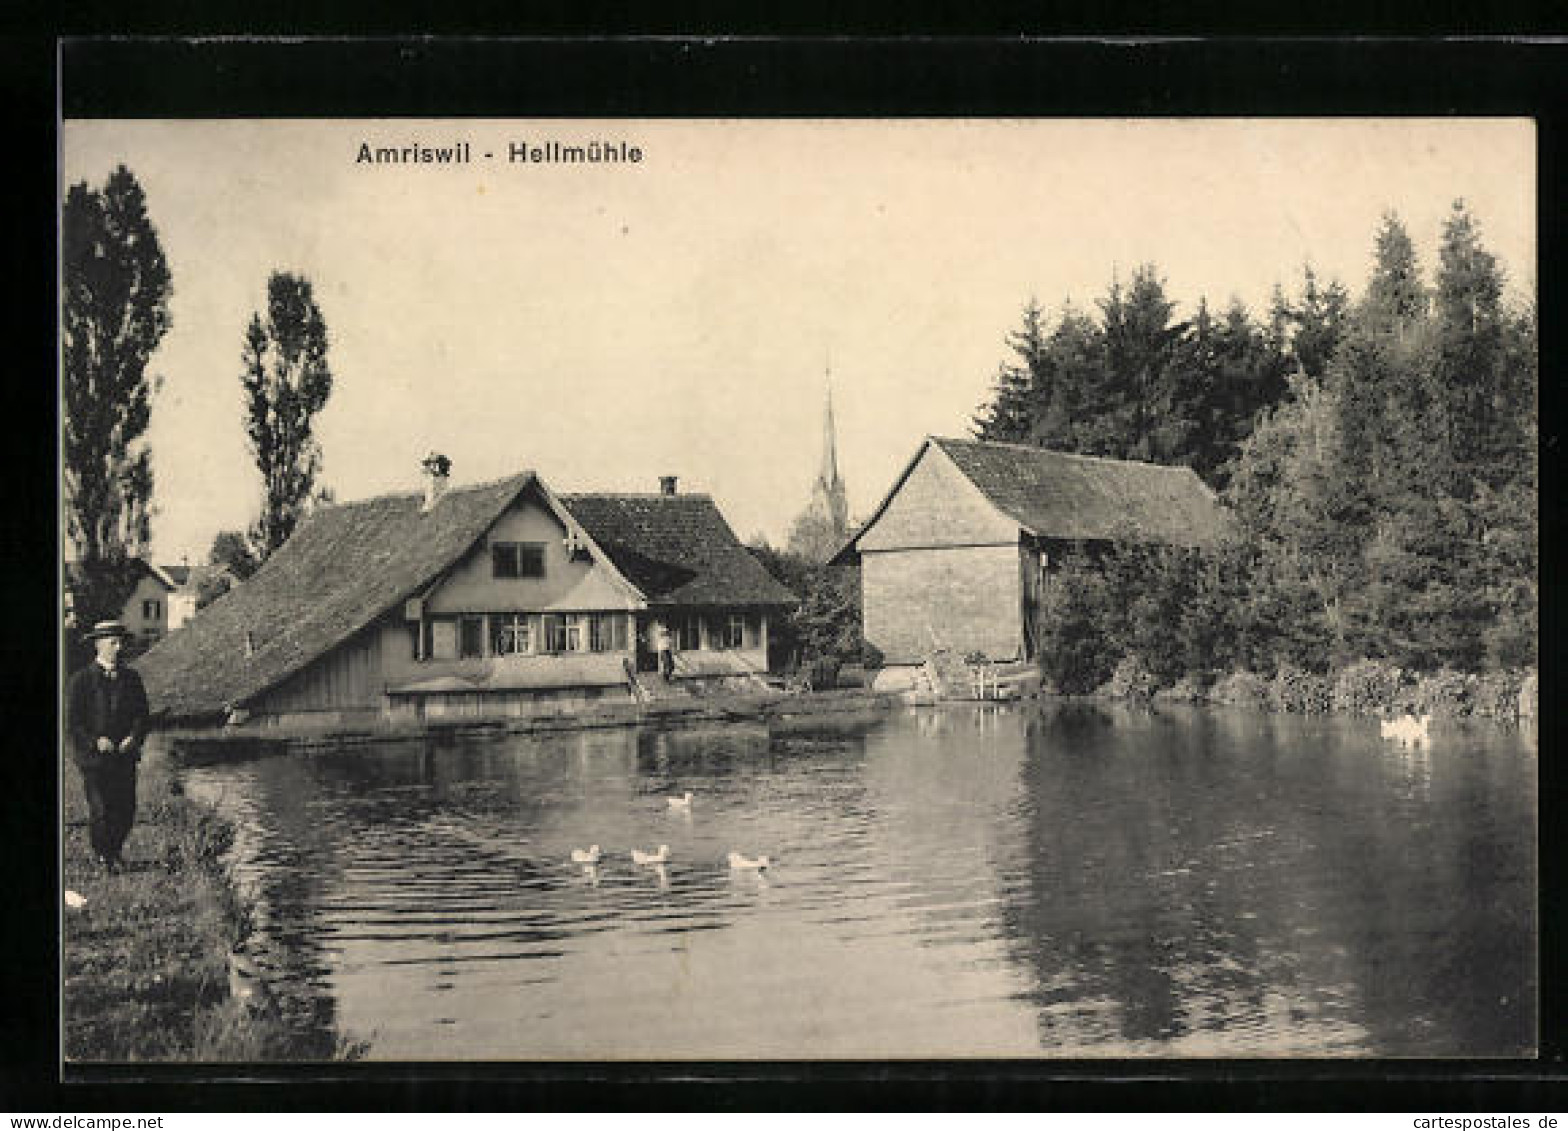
(1057,879)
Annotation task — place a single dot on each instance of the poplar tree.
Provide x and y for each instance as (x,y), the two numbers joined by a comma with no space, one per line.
(115,287)
(286,381)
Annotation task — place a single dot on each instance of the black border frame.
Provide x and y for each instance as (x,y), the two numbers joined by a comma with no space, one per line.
(757,76)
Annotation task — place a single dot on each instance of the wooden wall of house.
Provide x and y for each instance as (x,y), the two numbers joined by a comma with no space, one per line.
(963,598)
(348,678)
(938,506)
(472,587)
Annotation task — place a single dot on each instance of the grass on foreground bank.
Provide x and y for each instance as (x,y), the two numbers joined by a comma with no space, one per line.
(145,962)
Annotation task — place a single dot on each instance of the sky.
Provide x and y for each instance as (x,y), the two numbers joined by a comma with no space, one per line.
(608,324)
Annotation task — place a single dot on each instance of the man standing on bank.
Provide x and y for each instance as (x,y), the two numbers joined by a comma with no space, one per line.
(106,713)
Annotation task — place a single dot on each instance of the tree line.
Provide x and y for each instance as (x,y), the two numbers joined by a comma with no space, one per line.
(115,290)
(1376,453)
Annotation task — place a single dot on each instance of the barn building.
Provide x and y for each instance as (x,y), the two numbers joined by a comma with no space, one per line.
(498,599)
(956,554)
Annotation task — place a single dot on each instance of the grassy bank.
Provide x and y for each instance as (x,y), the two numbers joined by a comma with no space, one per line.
(145,962)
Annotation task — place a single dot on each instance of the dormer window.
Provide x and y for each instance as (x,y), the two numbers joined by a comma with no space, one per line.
(517,559)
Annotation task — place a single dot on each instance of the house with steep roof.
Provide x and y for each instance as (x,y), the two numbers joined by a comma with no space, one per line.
(496,599)
(147,607)
(958,552)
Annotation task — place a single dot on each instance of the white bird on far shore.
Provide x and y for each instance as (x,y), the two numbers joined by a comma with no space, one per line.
(748,863)
(680,804)
(1407,730)
(659,857)
(589,855)
(75,900)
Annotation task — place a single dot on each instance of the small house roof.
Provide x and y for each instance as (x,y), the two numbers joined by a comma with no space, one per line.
(1069,496)
(73,573)
(677,549)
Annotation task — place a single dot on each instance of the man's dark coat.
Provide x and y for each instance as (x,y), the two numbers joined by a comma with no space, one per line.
(98,705)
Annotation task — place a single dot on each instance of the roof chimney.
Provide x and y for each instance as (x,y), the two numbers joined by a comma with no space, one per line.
(667,484)
(436,467)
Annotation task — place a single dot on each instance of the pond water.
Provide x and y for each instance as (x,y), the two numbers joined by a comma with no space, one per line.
(1037,879)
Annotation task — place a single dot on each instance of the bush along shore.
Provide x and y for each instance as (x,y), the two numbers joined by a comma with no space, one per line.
(148,966)
(1368,687)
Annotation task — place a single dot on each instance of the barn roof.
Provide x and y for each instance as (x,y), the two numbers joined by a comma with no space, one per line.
(1069,496)
(677,549)
(348,564)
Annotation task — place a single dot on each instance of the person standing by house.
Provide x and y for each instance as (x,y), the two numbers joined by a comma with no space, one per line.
(663,648)
(106,720)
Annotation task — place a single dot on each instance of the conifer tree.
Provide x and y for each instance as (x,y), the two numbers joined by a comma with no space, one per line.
(1140,343)
(1074,376)
(1470,378)
(1018,392)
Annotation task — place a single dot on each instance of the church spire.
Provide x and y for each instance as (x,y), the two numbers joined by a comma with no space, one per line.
(821,529)
(828,498)
(829,473)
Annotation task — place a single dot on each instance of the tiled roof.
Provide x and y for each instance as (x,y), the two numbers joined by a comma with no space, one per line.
(1061,495)
(344,566)
(677,549)
(73,572)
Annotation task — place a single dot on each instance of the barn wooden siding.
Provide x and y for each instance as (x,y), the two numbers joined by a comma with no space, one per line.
(347,678)
(962,598)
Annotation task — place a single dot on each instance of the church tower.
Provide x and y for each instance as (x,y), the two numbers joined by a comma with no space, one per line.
(827,497)
(824,525)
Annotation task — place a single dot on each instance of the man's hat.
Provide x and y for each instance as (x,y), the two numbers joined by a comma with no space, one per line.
(108,628)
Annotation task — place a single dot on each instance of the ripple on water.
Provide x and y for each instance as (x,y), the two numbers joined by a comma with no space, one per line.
(1041,881)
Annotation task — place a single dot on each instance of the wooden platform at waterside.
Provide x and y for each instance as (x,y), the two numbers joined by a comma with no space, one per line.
(946,678)
(241,743)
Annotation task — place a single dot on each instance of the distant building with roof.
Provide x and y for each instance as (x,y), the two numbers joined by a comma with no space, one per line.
(489,599)
(958,553)
(147,610)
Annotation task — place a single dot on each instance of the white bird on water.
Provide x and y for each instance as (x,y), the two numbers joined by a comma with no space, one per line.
(680,804)
(748,863)
(589,855)
(659,857)
(1407,730)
